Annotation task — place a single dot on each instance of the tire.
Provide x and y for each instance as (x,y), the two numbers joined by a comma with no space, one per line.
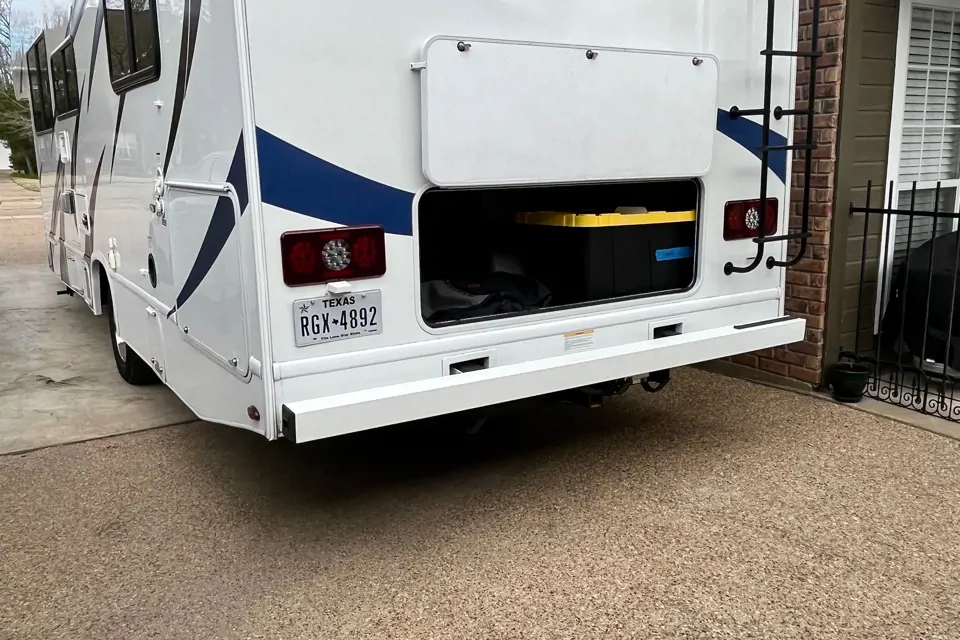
(130,366)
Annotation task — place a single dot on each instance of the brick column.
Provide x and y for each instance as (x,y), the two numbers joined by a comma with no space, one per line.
(807,281)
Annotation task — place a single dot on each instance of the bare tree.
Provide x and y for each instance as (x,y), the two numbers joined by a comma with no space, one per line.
(56,17)
(15,123)
(6,55)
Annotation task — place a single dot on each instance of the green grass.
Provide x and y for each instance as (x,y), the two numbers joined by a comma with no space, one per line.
(30,183)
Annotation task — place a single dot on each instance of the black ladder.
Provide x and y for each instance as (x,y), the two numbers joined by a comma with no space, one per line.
(765,147)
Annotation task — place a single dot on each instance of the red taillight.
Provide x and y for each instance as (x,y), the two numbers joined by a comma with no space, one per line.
(741,219)
(347,253)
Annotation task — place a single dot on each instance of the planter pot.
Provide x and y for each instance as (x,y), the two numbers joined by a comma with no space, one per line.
(849,379)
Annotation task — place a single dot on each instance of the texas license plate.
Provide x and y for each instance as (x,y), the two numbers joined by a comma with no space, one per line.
(332,318)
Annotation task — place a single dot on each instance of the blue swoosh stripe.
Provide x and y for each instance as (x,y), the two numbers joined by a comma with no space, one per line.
(221,226)
(292,179)
(749,135)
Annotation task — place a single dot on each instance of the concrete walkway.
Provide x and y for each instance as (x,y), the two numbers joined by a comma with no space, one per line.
(58,381)
(21,225)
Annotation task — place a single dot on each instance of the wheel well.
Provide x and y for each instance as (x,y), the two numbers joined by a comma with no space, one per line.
(104,283)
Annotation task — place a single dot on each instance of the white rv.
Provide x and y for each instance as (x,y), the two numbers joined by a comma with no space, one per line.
(310,217)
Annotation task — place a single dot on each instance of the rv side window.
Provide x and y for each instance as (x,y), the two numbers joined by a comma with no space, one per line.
(133,43)
(59,75)
(45,81)
(63,68)
(39,87)
(73,90)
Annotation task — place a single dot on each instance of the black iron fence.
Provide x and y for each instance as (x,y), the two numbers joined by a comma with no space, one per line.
(907,330)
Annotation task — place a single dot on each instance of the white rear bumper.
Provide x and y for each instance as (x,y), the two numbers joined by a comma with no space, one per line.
(318,418)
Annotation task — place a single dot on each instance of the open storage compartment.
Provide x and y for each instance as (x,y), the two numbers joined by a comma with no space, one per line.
(490,253)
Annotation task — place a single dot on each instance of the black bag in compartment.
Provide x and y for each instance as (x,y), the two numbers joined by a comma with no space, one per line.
(487,294)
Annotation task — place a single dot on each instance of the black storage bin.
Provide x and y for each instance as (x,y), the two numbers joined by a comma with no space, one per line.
(586,257)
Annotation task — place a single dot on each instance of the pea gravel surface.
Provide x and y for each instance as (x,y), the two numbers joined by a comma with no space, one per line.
(715,509)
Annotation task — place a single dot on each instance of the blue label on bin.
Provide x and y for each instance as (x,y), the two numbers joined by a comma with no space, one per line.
(677,253)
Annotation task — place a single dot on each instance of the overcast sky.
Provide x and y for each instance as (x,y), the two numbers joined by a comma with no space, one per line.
(38,7)
(31,12)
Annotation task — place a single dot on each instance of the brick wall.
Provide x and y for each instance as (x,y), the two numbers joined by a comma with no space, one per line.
(807,281)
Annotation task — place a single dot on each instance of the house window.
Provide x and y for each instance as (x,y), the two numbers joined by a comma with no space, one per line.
(40,87)
(133,43)
(924,135)
(930,126)
(63,70)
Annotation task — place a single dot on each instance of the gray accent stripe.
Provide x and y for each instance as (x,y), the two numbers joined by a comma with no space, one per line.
(92,206)
(116,132)
(75,143)
(56,219)
(57,216)
(97,27)
(188,45)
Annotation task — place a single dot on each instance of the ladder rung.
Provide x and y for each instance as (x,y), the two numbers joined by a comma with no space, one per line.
(780,112)
(789,147)
(791,54)
(736,112)
(799,235)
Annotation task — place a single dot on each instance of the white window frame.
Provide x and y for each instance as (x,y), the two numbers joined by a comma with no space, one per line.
(893,155)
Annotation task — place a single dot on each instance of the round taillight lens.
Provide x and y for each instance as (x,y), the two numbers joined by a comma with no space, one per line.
(302,258)
(336,255)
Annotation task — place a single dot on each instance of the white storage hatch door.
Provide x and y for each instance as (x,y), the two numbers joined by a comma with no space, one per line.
(498,112)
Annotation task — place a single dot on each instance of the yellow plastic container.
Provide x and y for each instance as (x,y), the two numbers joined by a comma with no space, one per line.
(561,219)
(593,256)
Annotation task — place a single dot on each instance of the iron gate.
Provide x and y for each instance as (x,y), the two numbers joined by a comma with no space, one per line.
(908,333)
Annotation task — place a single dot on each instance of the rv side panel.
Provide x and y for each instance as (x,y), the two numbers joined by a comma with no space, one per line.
(158,164)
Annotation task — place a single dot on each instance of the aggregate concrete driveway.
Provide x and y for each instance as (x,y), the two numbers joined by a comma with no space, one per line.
(715,509)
